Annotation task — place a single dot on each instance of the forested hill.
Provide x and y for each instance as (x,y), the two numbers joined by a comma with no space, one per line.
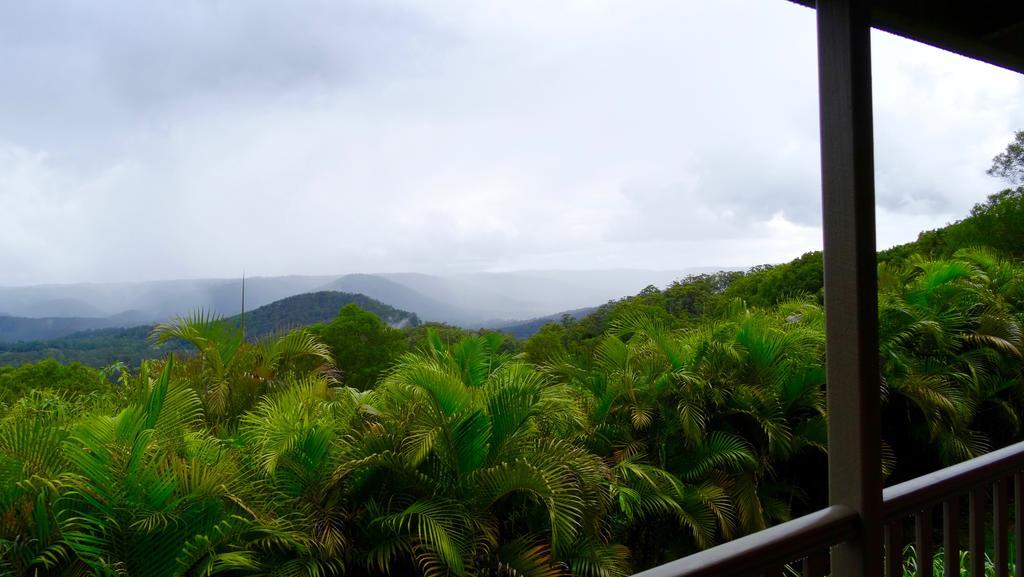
(96,348)
(14,329)
(102,347)
(995,225)
(317,307)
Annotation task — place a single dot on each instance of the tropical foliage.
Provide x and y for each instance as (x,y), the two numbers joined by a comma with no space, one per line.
(658,425)
(466,458)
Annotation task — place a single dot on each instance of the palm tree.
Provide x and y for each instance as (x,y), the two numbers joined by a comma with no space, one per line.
(33,471)
(459,465)
(683,403)
(763,382)
(135,496)
(231,374)
(950,346)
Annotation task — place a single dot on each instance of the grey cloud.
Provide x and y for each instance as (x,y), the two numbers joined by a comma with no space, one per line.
(77,71)
(161,140)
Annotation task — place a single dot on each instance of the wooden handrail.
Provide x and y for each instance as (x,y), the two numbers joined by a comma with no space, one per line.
(766,551)
(911,496)
(769,549)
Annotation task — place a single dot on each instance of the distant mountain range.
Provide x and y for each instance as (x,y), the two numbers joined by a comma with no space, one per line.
(151,301)
(469,300)
(101,347)
(526,329)
(15,329)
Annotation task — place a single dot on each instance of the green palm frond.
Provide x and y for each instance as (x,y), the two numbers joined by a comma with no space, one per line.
(720,450)
(525,557)
(290,424)
(593,558)
(643,491)
(215,340)
(513,397)
(438,530)
(276,354)
(545,480)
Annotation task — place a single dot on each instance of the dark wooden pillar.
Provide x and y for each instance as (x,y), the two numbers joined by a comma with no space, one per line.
(851,298)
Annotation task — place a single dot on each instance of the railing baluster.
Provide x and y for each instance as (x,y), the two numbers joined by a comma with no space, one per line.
(951,537)
(813,538)
(894,549)
(925,548)
(1001,526)
(1018,524)
(814,564)
(976,532)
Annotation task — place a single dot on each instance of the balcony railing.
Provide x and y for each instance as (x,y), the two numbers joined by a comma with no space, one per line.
(908,510)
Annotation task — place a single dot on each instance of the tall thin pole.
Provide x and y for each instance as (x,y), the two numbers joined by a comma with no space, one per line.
(851,284)
(241,321)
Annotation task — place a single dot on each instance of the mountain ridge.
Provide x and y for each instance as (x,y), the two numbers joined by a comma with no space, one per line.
(103,346)
(470,300)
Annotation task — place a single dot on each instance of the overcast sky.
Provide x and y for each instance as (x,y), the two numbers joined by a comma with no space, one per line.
(195,138)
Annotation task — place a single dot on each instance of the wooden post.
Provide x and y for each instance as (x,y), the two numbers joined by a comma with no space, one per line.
(851,284)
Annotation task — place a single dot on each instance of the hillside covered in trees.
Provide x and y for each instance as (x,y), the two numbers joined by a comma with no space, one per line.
(102,347)
(655,426)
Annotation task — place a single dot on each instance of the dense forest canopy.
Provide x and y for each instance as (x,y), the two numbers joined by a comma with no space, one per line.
(655,426)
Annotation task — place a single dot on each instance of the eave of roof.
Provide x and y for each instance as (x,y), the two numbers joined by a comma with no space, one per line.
(988,30)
